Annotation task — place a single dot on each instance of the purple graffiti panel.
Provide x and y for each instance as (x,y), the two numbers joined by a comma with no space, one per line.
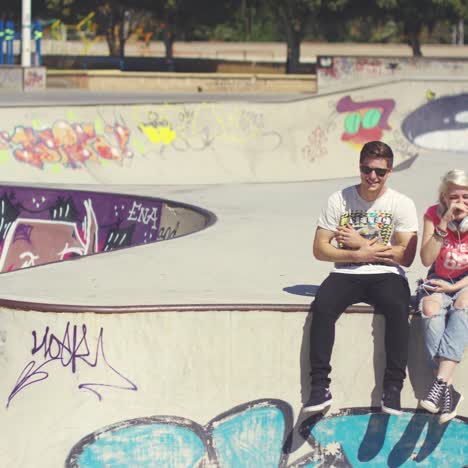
(39,226)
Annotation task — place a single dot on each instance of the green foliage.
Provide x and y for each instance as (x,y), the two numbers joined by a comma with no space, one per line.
(254,23)
(261,20)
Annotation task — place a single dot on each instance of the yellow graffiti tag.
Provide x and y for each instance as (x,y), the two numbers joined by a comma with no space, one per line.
(158,134)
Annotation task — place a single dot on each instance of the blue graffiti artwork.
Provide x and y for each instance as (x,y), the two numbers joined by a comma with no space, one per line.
(440,124)
(235,439)
(258,434)
(143,443)
(376,439)
(250,435)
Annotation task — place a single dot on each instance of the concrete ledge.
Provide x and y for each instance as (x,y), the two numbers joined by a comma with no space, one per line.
(17,78)
(28,306)
(105,80)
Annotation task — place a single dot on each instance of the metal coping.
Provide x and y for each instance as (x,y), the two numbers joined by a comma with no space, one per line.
(126,309)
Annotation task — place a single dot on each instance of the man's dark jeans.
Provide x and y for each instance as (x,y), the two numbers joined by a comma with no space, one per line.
(390,295)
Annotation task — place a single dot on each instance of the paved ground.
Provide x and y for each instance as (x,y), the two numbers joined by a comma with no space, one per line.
(79,97)
(259,251)
(84,372)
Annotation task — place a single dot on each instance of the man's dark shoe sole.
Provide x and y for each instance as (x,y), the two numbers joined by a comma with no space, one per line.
(392,411)
(317,408)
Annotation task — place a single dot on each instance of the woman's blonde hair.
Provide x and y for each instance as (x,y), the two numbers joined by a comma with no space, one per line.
(453,177)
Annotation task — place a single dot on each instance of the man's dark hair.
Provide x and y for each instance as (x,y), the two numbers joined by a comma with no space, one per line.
(376,150)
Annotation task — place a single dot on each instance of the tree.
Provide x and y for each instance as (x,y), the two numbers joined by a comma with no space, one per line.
(187,16)
(295,17)
(118,20)
(115,19)
(414,15)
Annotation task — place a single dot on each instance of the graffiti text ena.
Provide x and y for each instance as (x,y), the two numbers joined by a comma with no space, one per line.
(140,214)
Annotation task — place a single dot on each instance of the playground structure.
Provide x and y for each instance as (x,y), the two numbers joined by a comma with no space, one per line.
(15,77)
(9,33)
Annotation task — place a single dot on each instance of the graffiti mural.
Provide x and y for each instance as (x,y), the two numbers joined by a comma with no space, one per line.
(70,145)
(316,146)
(366,120)
(439,124)
(259,434)
(335,72)
(40,226)
(157,131)
(71,349)
(198,128)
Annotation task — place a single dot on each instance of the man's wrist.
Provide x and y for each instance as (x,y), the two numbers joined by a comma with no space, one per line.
(354,255)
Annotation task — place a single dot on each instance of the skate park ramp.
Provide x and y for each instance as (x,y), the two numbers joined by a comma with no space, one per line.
(193,352)
(42,226)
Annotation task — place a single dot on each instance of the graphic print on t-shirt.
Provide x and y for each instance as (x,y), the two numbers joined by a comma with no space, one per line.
(370,224)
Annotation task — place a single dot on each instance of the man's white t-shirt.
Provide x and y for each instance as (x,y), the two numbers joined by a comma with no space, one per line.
(391,212)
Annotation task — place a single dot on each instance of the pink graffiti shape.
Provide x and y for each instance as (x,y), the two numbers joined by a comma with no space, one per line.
(346,104)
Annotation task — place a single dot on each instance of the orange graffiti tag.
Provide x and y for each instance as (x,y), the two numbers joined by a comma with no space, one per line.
(71,145)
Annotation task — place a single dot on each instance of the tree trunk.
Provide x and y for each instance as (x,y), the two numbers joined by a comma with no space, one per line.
(112,43)
(413,41)
(461,32)
(122,40)
(169,38)
(413,30)
(293,52)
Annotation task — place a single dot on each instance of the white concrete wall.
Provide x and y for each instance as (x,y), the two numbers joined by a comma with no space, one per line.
(335,73)
(221,142)
(195,367)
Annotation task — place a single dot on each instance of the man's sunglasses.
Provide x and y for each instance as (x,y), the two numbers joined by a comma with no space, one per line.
(378,170)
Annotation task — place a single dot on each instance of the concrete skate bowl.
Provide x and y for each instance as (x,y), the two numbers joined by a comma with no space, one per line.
(40,225)
(185,385)
(222,142)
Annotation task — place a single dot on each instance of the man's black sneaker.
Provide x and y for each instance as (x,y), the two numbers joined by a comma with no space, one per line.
(320,399)
(450,402)
(432,402)
(391,401)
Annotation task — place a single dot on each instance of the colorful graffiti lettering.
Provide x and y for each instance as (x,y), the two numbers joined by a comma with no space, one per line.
(365,121)
(68,144)
(260,434)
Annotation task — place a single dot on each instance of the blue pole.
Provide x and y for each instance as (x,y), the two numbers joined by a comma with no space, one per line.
(9,36)
(38,38)
(2,37)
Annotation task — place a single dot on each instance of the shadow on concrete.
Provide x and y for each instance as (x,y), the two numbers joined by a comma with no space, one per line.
(374,438)
(302,289)
(404,449)
(419,372)
(419,375)
(301,431)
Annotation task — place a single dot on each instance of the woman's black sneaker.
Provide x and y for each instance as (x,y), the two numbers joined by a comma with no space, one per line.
(450,402)
(433,399)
